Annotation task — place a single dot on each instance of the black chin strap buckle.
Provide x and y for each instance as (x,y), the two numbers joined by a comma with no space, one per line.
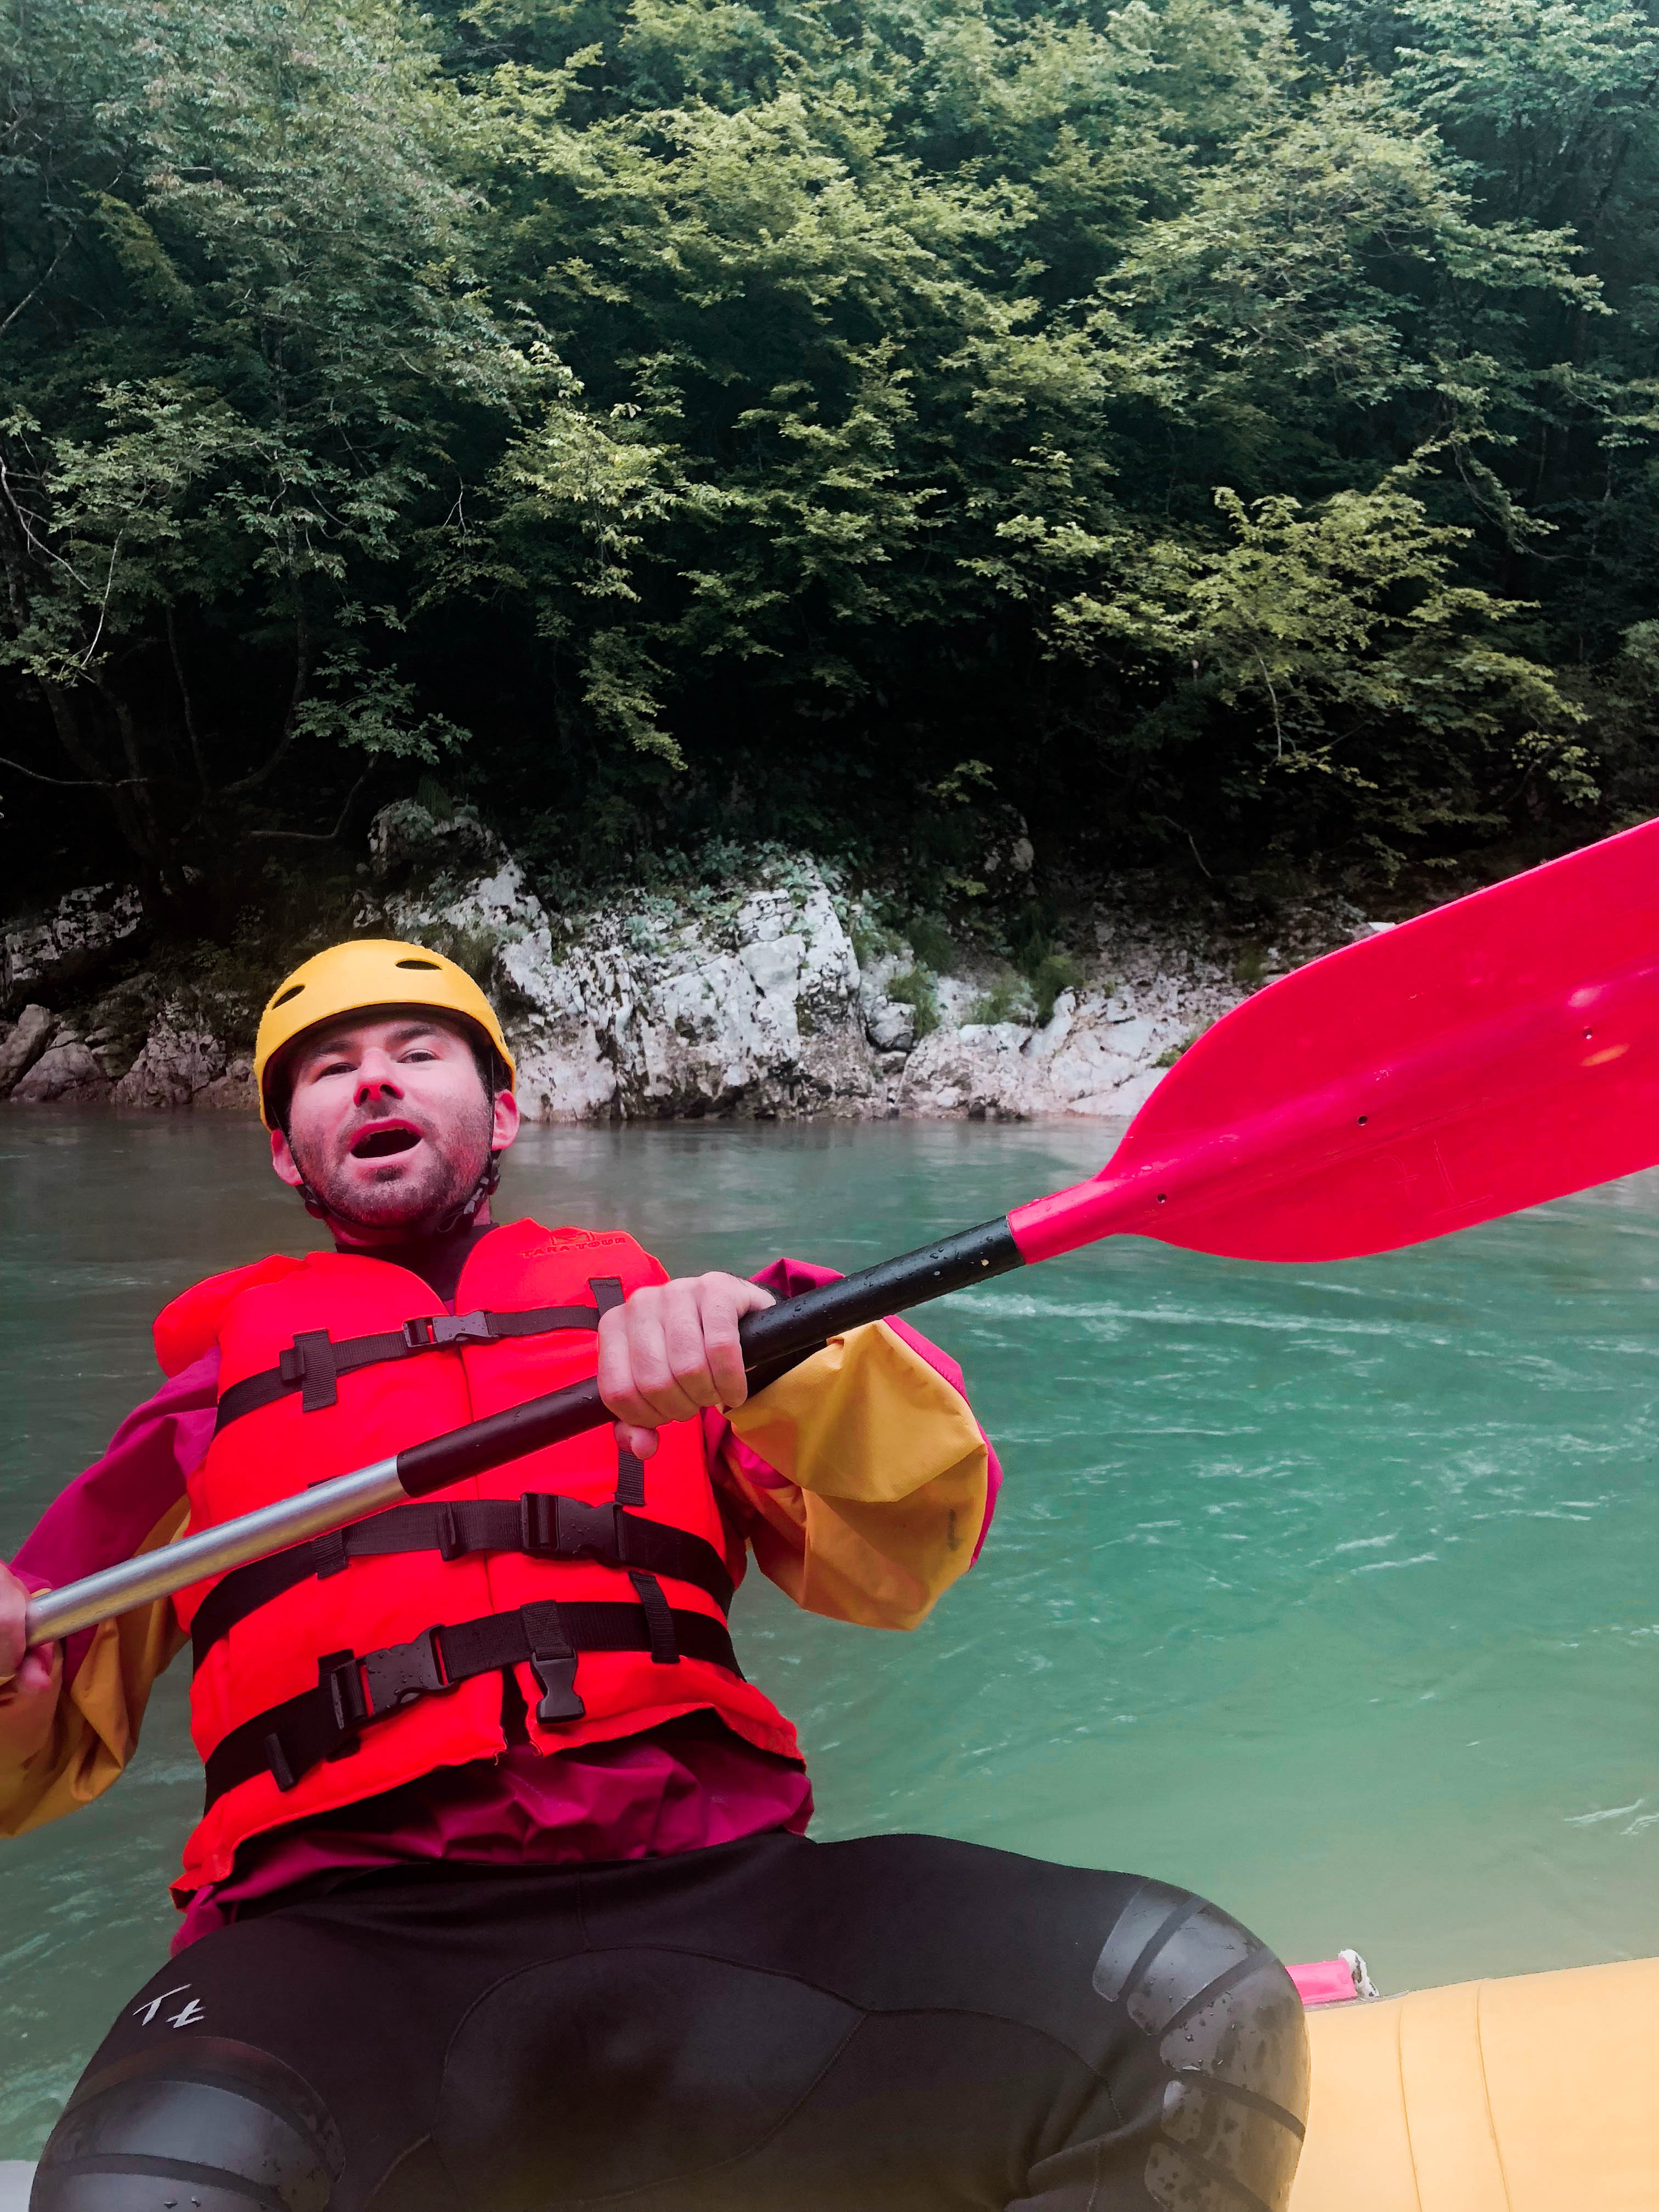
(554,1661)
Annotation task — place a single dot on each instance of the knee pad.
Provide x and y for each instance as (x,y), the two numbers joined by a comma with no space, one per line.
(1227,2024)
(213,2126)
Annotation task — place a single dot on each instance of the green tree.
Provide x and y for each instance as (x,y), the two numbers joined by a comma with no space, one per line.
(1234,428)
(244,356)
(903,337)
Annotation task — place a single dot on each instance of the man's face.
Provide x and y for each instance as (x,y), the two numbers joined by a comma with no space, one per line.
(389,1122)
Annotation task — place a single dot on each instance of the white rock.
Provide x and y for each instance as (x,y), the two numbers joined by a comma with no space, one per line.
(756,1005)
(890,1025)
(1130,1040)
(1097,1055)
(774,962)
(30,1035)
(173,1065)
(1132,1095)
(70,941)
(749,1001)
(231,1093)
(67,1074)
(762,917)
(750,1011)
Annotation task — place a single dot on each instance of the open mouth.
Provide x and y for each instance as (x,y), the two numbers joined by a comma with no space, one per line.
(379,1144)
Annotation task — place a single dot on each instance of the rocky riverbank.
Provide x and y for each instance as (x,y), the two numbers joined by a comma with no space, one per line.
(777,993)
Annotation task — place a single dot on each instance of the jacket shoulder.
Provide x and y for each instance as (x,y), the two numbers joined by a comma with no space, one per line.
(185,1329)
(584,1252)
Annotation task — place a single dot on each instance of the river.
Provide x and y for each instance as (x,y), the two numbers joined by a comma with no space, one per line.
(1328,1591)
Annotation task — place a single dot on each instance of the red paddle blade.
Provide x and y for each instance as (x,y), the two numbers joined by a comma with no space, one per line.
(1498,1052)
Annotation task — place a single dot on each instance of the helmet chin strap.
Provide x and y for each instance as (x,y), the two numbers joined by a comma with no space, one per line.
(488,1182)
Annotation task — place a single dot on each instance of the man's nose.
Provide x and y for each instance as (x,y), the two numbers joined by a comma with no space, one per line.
(376,1077)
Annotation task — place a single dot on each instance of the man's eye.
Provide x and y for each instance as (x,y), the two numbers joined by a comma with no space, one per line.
(333,1067)
(420,1052)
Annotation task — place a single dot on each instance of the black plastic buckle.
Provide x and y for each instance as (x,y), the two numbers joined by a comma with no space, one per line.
(554,1661)
(590,1532)
(555,1527)
(432,1331)
(404,1672)
(341,1685)
(539,1524)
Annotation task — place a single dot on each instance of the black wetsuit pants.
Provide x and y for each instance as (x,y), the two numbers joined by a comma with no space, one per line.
(894,2025)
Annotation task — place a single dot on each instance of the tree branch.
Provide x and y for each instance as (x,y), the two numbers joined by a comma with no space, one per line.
(73,782)
(291,720)
(39,286)
(26,526)
(322,836)
(184,694)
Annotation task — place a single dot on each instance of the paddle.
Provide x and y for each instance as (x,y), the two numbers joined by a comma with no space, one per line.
(1497,1052)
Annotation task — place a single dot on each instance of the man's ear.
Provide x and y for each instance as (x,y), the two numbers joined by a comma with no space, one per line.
(283,1161)
(504,1125)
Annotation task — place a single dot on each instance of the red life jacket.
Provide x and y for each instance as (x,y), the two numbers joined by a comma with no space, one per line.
(362,1660)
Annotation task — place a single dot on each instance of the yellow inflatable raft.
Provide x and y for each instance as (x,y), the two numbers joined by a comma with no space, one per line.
(1535,2094)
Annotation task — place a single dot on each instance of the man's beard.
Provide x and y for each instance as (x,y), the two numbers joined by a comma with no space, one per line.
(426,1199)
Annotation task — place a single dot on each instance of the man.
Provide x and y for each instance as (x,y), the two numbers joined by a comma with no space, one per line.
(500,1899)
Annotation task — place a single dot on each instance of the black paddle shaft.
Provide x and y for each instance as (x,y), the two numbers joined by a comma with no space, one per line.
(773,1342)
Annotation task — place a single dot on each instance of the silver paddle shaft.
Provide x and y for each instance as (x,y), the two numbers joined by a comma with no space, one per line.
(252,1535)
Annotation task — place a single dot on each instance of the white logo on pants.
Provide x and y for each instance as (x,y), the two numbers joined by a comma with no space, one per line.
(186,2016)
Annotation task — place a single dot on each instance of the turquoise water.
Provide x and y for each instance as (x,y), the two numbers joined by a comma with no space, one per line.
(1331,1592)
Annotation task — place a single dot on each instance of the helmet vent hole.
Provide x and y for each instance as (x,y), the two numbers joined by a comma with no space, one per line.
(282,997)
(417,963)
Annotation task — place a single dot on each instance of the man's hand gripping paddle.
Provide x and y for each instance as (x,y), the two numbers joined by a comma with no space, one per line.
(1498,1052)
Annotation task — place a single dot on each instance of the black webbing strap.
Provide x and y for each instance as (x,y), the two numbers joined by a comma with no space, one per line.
(314,1361)
(540,1524)
(289,1740)
(659,1620)
(630,1469)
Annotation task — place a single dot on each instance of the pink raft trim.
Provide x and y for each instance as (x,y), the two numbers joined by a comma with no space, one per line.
(1325,1981)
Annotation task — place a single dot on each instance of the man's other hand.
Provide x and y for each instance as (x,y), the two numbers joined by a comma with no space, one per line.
(672,1349)
(29,1681)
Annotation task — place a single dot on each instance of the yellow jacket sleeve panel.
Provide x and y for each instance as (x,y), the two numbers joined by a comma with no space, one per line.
(864,1476)
(95,1728)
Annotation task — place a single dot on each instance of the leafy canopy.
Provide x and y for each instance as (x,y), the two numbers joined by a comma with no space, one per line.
(1233,429)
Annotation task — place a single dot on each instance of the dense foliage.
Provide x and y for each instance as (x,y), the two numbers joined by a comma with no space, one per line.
(1217,434)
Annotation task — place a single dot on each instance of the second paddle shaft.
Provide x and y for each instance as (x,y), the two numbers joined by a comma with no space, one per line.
(773,1341)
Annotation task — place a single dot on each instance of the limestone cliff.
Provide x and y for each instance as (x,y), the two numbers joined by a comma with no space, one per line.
(776,992)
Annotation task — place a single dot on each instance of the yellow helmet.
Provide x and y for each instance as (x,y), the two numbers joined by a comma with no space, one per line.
(368,974)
